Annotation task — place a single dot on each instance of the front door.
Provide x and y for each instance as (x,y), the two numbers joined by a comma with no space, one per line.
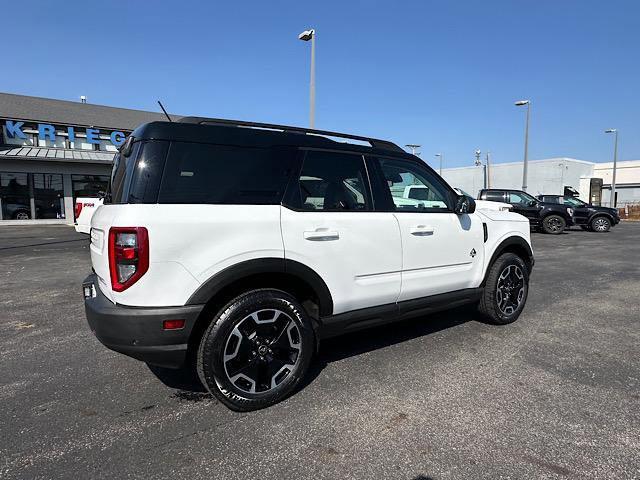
(332,228)
(525,205)
(441,251)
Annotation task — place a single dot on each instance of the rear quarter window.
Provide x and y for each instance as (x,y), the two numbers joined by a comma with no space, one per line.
(135,178)
(222,174)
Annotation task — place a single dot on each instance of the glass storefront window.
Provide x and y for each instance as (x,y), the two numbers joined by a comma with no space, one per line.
(14,196)
(89,185)
(31,195)
(48,195)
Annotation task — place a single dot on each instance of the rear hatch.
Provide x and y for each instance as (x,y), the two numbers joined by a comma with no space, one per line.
(135,178)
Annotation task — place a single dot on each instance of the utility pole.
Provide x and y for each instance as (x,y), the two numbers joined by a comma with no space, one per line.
(615,161)
(484,168)
(488,169)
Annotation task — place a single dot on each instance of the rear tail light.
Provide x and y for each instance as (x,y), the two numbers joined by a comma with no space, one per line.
(128,256)
(78,209)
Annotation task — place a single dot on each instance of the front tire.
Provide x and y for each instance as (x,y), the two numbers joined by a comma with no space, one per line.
(600,224)
(505,291)
(256,350)
(553,224)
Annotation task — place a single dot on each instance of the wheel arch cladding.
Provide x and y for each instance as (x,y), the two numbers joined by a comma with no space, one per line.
(516,245)
(290,276)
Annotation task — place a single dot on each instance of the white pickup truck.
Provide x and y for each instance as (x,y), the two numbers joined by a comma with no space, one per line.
(85,207)
(420,194)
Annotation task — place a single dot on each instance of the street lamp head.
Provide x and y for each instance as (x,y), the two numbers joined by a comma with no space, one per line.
(438,155)
(521,103)
(611,130)
(307,35)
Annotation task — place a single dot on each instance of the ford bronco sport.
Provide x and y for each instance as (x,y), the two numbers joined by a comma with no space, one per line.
(239,246)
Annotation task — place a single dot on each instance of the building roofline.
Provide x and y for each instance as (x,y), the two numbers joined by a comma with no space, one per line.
(54,110)
(542,160)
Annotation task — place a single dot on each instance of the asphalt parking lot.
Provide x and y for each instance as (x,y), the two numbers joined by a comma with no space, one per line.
(555,395)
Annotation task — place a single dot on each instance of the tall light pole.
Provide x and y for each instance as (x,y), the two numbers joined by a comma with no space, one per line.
(440,156)
(414,148)
(521,103)
(615,162)
(305,37)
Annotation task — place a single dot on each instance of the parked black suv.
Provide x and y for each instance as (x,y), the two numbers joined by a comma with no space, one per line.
(549,217)
(587,216)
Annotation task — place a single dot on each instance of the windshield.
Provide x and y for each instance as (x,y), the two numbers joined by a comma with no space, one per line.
(574,202)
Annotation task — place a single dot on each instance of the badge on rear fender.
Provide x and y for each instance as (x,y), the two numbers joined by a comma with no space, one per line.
(473,252)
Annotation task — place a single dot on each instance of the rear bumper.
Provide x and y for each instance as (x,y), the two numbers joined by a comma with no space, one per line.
(137,331)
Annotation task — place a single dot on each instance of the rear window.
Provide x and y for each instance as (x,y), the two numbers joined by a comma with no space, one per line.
(221,174)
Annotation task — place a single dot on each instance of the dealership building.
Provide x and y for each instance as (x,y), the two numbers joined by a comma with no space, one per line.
(52,151)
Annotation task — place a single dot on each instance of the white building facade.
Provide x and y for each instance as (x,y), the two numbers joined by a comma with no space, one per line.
(554,176)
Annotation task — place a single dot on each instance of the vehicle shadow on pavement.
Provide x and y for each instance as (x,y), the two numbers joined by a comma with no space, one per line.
(357,343)
(334,349)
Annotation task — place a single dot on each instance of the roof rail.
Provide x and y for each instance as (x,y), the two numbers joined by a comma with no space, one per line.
(374,142)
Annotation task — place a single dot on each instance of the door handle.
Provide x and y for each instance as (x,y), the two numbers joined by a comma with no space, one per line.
(321,235)
(422,230)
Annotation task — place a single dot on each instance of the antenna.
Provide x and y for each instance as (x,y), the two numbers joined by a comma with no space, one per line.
(165,112)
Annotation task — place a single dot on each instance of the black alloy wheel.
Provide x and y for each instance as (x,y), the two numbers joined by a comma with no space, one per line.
(554,224)
(505,290)
(510,289)
(256,349)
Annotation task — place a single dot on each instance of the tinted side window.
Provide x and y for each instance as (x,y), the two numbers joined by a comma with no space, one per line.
(414,188)
(221,174)
(333,182)
(494,196)
(520,198)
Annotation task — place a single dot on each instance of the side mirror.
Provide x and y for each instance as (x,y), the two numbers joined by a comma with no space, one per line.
(464,205)
(532,203)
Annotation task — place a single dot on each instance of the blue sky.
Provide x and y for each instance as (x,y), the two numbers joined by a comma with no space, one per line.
(443,74)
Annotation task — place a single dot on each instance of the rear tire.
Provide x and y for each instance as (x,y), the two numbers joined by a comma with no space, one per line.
(505,291)
(600,224)
(553,224)
(256,350)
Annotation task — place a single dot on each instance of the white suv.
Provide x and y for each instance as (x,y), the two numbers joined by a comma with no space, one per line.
(236,247)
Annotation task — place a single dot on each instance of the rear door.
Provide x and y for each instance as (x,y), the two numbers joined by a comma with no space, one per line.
(329,225)
(441,251)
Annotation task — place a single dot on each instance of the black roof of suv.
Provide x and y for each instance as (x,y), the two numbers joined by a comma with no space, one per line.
(236,132)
